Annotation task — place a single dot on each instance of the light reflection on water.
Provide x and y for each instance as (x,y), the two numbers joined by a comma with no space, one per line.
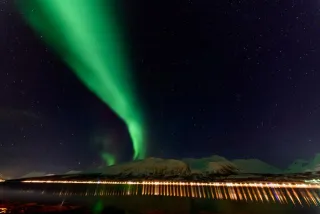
(263,194)
(182,199)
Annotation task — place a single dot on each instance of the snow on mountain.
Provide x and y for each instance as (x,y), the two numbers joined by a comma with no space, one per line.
(202,164)
(297,166)
(34,174)
(300,165)
(255,166)
(150,166)
(72,172)
(196,167)
(222,167)
(220,164)
(213,165)
(201,167)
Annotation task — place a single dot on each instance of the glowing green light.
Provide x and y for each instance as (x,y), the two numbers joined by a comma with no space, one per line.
(85,34)
(108,158)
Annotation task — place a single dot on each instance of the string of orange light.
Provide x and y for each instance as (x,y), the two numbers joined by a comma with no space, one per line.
(226,184)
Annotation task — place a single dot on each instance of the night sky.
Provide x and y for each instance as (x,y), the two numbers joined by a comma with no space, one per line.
(235,78)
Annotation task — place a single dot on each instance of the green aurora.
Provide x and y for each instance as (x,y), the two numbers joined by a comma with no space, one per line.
(108,158)
(86,35)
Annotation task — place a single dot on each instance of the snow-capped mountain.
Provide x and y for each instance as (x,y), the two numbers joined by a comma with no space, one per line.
(300,165)
(154,166)
(220,164)
(255,166)
(189,168)
(201,164)
(170,167)
(34,174)
(72,172)
(222,167)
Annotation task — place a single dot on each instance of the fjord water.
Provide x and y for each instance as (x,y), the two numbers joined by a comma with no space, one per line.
(145,203)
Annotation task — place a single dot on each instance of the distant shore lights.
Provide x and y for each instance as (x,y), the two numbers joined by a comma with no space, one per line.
(307,185)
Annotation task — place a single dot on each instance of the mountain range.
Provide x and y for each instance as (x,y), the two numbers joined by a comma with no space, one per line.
(209,165)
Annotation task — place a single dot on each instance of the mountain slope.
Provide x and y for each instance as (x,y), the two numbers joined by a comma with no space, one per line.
(72,172)
(201,164)
(222,167)
(255,166)
(219,164)
(34,174)
(300,165)
(213,165)
(155,166)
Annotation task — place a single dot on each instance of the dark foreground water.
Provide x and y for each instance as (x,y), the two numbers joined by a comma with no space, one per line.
(135,204)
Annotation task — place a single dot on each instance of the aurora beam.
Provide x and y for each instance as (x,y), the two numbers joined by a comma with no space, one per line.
(109,159)
(85,34)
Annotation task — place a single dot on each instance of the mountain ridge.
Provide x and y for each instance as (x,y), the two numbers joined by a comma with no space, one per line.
(212,165)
